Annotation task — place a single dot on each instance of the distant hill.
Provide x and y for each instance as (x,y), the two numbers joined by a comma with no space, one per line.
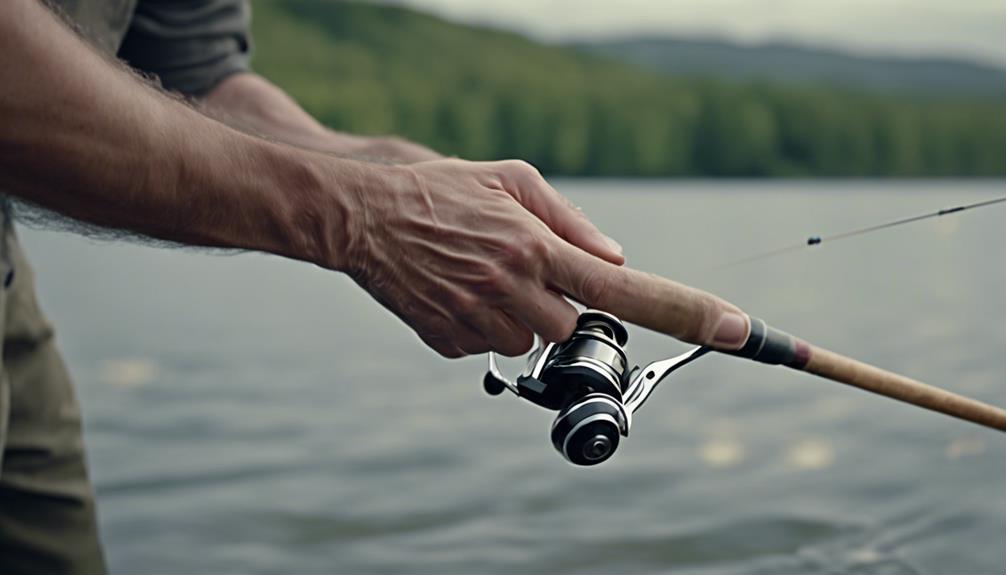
(792,64)
(481,93)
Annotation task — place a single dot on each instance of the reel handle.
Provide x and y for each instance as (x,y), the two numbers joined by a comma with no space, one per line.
(492,384)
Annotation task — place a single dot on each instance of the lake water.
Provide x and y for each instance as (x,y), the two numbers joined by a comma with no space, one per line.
(247,414)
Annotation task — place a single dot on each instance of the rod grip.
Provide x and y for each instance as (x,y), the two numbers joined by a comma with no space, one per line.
(836,367)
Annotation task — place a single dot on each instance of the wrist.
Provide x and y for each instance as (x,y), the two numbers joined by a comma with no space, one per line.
(329,204)
(308,206)
(259,195)
(248,193)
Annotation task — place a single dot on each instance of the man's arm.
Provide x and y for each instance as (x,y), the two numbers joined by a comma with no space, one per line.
(201,48)
(86,138)
(472,256)
(250,101)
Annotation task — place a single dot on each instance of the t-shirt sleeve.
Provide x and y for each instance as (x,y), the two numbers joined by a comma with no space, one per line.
(191,45)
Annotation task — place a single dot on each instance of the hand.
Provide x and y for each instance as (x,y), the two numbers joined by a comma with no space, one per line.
(476,256)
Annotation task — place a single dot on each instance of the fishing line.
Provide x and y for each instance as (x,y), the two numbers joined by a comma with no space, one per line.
(818,240)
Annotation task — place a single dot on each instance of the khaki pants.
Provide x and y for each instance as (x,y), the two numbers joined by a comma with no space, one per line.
(47,518)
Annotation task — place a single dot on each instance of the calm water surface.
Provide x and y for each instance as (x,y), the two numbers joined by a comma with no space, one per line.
(247,414)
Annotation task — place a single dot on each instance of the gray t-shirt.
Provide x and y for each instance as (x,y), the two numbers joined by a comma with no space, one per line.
(191,45)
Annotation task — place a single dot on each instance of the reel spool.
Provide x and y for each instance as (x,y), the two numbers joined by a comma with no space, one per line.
(587,380)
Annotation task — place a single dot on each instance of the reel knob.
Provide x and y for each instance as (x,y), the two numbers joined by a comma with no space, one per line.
(492,384)
(587,432)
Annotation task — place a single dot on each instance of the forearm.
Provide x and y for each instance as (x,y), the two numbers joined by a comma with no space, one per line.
(471,255)
(254,104)
(84,138)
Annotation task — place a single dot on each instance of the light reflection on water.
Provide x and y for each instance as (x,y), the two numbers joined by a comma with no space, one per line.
(247,414)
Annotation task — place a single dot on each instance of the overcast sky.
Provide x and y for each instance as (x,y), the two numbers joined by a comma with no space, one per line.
(975,28)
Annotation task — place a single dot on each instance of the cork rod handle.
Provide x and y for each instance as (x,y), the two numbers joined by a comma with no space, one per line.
(692,315)
(849,371)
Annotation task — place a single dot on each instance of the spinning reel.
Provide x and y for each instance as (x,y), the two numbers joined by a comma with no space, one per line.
(587,379)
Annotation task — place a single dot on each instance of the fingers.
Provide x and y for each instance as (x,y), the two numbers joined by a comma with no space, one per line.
(577,260)
(444,345)
(490,331)
(567,221)
(651,301)
(538,311)
(545,313)
(502,334)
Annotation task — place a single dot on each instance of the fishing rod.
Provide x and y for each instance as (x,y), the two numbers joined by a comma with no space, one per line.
(588,382)
(818,240)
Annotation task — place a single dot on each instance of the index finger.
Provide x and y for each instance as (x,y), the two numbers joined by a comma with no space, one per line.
(645,299)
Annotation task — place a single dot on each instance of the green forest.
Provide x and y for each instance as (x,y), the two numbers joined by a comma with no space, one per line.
(480,93)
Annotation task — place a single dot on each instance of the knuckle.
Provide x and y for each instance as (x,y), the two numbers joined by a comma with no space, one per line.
(705,310)
(711,309)
(521,166)
(523,170)
(710,314)
(539,247)
(517,253)
(526,251)
(491,281)
(465,304)
(594,288)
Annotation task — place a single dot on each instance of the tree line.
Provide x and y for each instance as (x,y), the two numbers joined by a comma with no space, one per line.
(483,94)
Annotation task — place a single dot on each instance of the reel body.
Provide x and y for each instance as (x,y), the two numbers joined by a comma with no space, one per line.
(587,379)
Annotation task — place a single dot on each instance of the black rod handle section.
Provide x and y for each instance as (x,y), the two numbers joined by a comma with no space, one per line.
(770,345)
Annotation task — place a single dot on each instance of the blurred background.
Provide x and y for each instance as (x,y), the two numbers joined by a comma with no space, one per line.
(652,88)
(247,414)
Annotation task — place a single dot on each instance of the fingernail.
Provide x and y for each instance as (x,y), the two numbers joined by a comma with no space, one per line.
(612,244)
(732,331)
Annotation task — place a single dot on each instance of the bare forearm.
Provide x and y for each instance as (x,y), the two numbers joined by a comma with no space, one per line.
(84,138)
(471,255)
(253,103)
(250,102)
